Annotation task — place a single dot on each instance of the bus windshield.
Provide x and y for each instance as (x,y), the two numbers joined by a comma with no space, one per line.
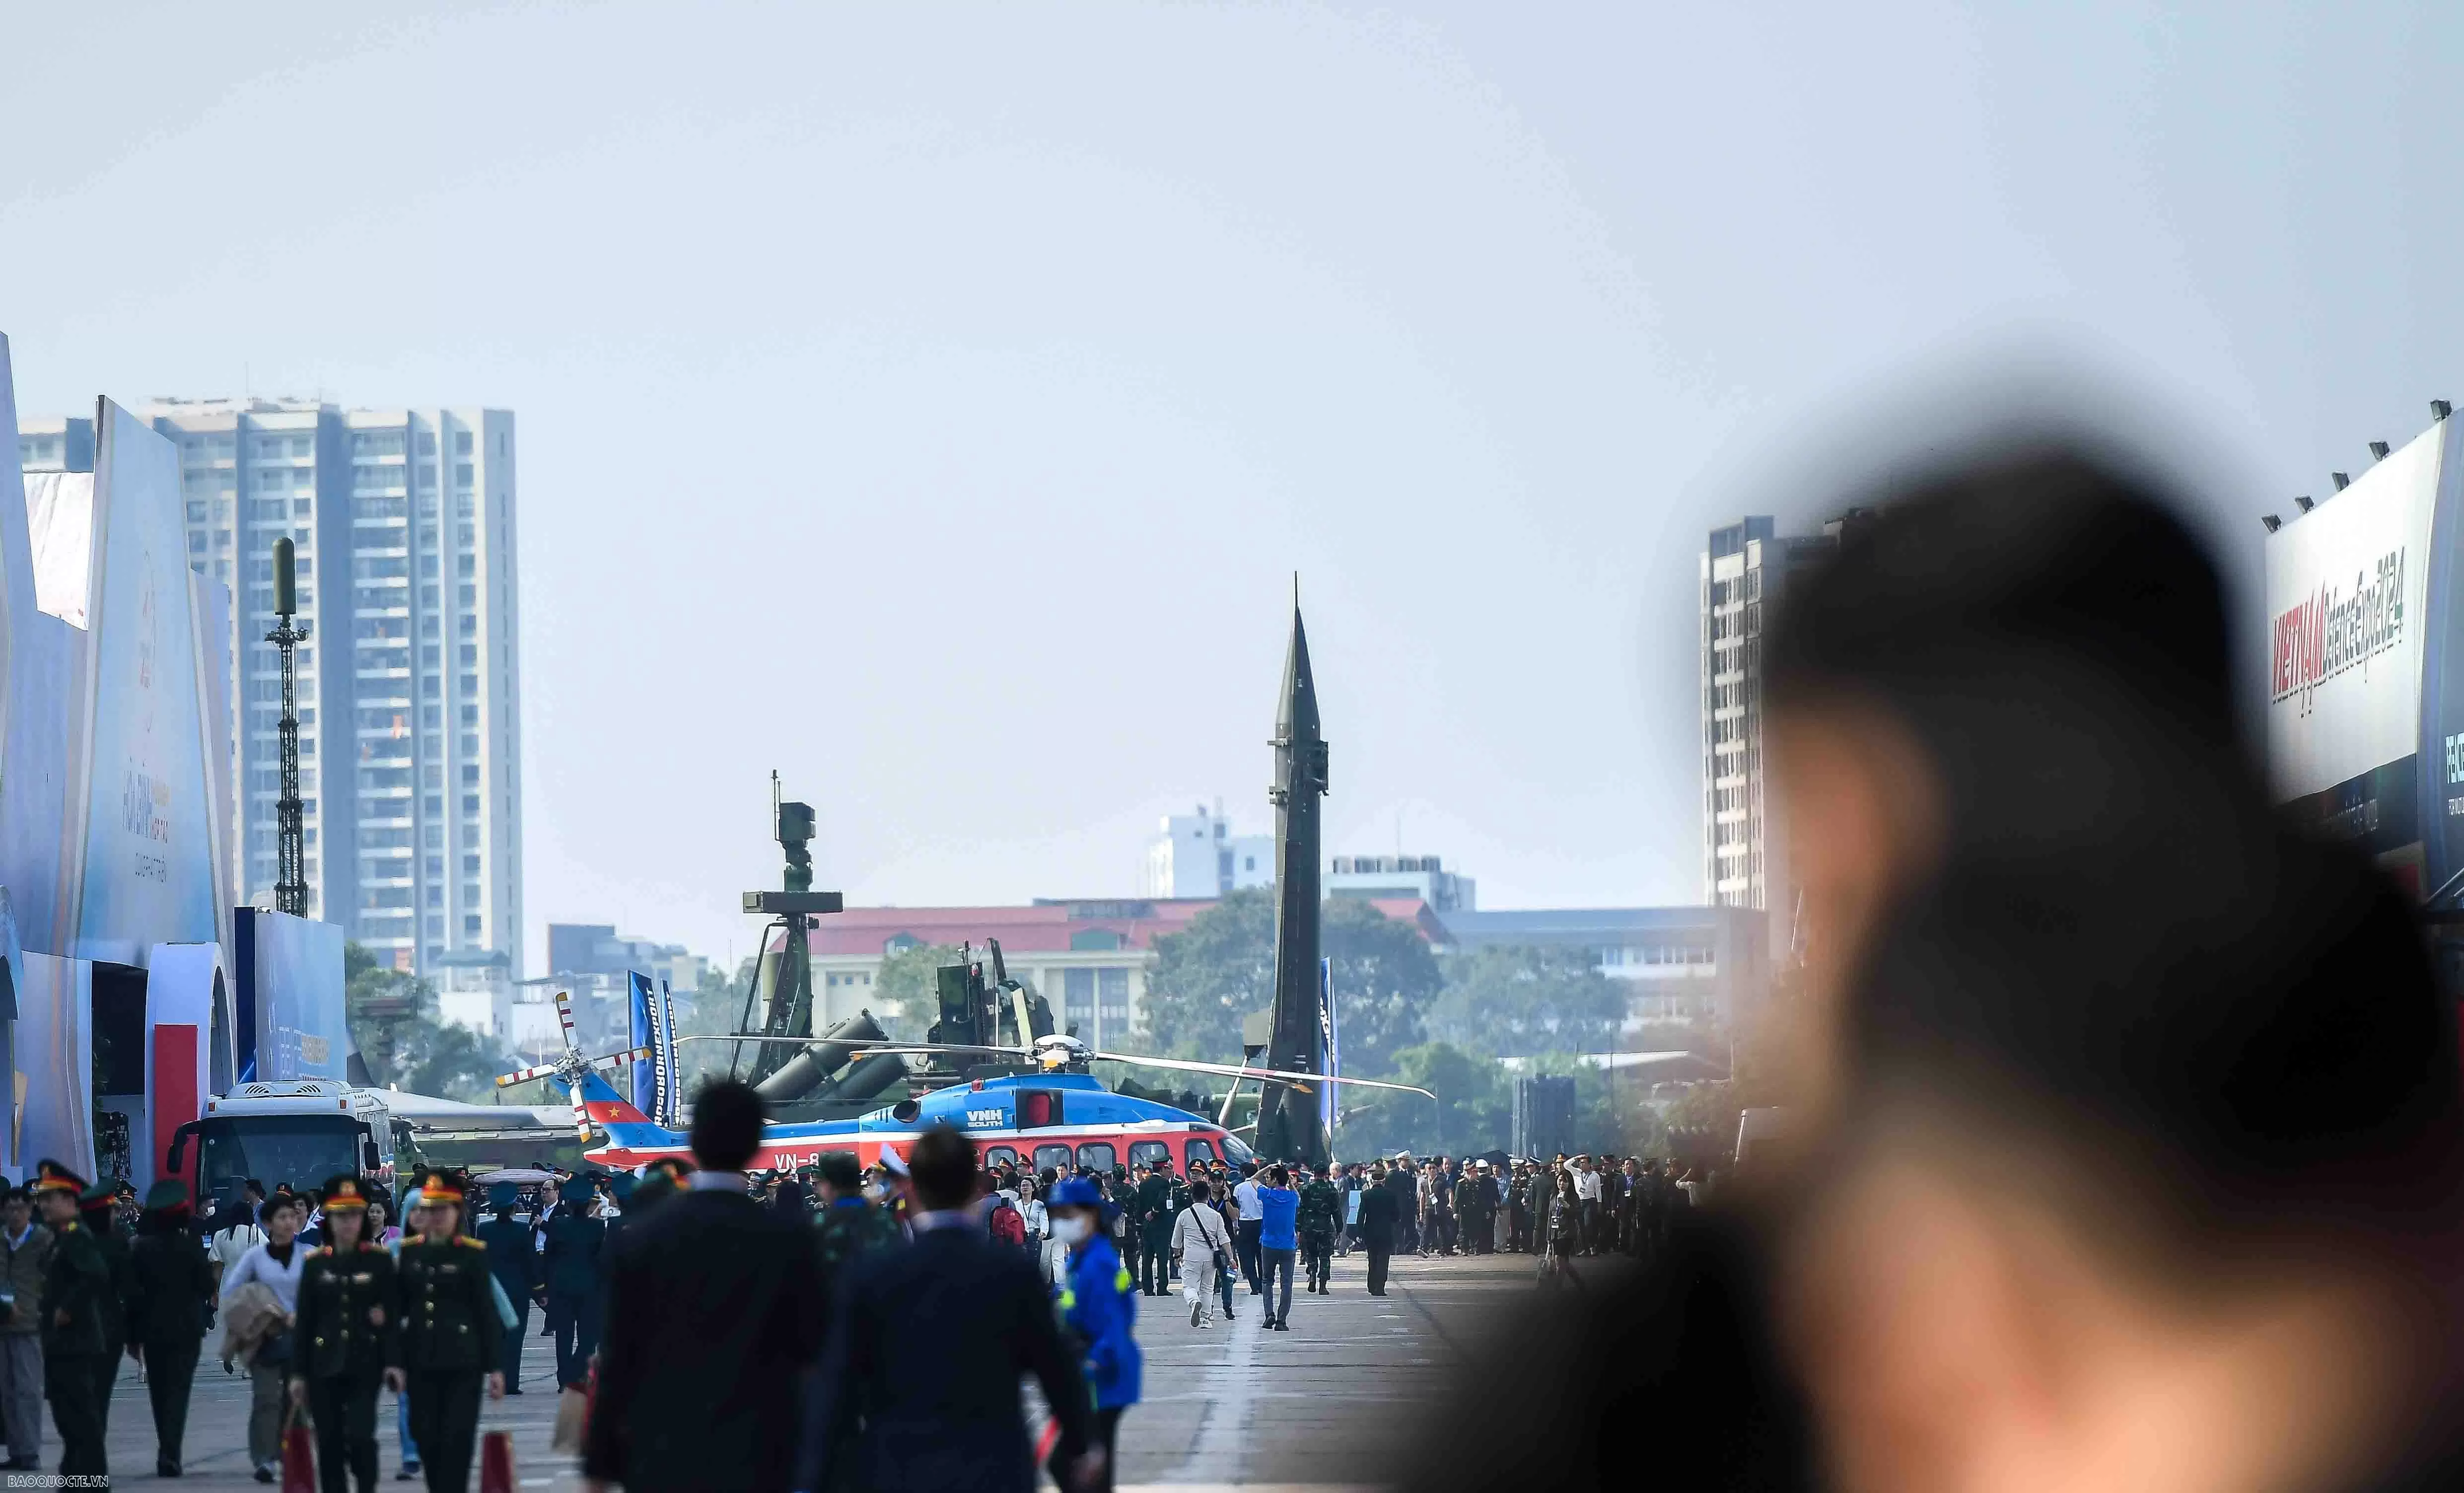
(303,1149)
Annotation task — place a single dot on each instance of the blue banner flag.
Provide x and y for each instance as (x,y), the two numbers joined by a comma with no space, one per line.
(1333,1047)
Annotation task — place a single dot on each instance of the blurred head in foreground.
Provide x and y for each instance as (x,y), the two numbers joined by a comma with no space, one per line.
(2143,1126)
(2118,1199)
(2011,661)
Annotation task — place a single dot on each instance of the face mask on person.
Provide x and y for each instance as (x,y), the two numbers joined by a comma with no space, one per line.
(1073,1229)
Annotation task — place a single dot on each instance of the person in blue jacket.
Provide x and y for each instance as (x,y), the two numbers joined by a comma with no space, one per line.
(1099,1308)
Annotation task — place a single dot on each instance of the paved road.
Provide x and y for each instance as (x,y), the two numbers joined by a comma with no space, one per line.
(1330,1403)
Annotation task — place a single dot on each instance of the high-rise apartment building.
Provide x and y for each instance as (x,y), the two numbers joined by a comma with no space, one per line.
(409,688)
(1745,570)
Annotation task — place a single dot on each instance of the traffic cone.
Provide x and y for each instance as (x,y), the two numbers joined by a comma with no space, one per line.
(496,1462)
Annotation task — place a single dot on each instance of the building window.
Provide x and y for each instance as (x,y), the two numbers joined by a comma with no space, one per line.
(1113,1003)
(462,443)
(471,926)
(1078,1005)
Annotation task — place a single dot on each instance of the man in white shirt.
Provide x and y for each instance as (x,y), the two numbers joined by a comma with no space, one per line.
(1587,1192)
(1253,1217)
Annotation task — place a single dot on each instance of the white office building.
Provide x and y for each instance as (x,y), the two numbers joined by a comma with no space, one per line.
(1197,855)
(409,687)
(1745,570)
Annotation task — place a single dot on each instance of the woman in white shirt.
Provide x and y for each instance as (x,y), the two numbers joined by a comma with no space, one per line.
(1201,1243)
(275,1265)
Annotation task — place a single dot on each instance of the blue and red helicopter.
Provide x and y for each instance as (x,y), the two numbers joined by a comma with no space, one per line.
(1056,1115)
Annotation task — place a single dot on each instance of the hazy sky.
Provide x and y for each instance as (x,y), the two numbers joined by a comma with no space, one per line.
(934,401)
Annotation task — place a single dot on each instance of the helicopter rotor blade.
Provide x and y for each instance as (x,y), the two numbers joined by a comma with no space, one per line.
(1300,1080)
(526,1075)
(863,1048)
(617,1060)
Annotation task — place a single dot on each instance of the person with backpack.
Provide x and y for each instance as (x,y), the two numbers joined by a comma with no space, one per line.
(1004,1223)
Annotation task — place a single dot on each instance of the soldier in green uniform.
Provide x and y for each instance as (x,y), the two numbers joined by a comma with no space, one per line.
(1160,1197)
(1319,1219)
(99,1211)
(848,1223)
(342,1338)
(74,1285)
(450,1337)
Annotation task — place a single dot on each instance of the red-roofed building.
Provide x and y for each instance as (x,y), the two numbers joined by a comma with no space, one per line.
(1087,957)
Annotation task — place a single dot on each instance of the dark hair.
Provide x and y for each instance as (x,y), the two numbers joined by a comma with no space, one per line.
(942,1166)
(726,1126)
(1198,1192)
(838,1168)
(2209,1076)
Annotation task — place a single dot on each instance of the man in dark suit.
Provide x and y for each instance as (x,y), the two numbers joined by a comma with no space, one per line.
(1378,1210)
(712,1316)
(918,1388)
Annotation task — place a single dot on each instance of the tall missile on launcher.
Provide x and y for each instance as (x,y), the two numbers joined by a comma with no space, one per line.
(1288,1119)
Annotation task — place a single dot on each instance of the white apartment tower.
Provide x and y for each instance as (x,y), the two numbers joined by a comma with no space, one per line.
(1745,862)
(1197,855)
(411,686)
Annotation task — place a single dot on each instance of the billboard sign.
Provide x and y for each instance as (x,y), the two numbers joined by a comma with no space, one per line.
(2361,613)
(291,1016)
(149,864)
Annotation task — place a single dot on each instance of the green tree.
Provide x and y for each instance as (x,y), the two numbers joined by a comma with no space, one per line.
(1517,1002)
(905,993)
(1474,1110)
(403,1040)
(1385,977)
(1222,968)
(1209,976)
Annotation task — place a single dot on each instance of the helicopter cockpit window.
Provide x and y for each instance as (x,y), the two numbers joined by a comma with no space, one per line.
(1236,1152)
(1200,1152)
(1096,1155)
(1147,1153)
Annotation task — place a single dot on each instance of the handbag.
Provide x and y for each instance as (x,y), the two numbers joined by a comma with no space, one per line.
(298,1454)
(1222,1254)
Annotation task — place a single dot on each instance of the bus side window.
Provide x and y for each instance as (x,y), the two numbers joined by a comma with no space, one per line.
(1201,1153)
